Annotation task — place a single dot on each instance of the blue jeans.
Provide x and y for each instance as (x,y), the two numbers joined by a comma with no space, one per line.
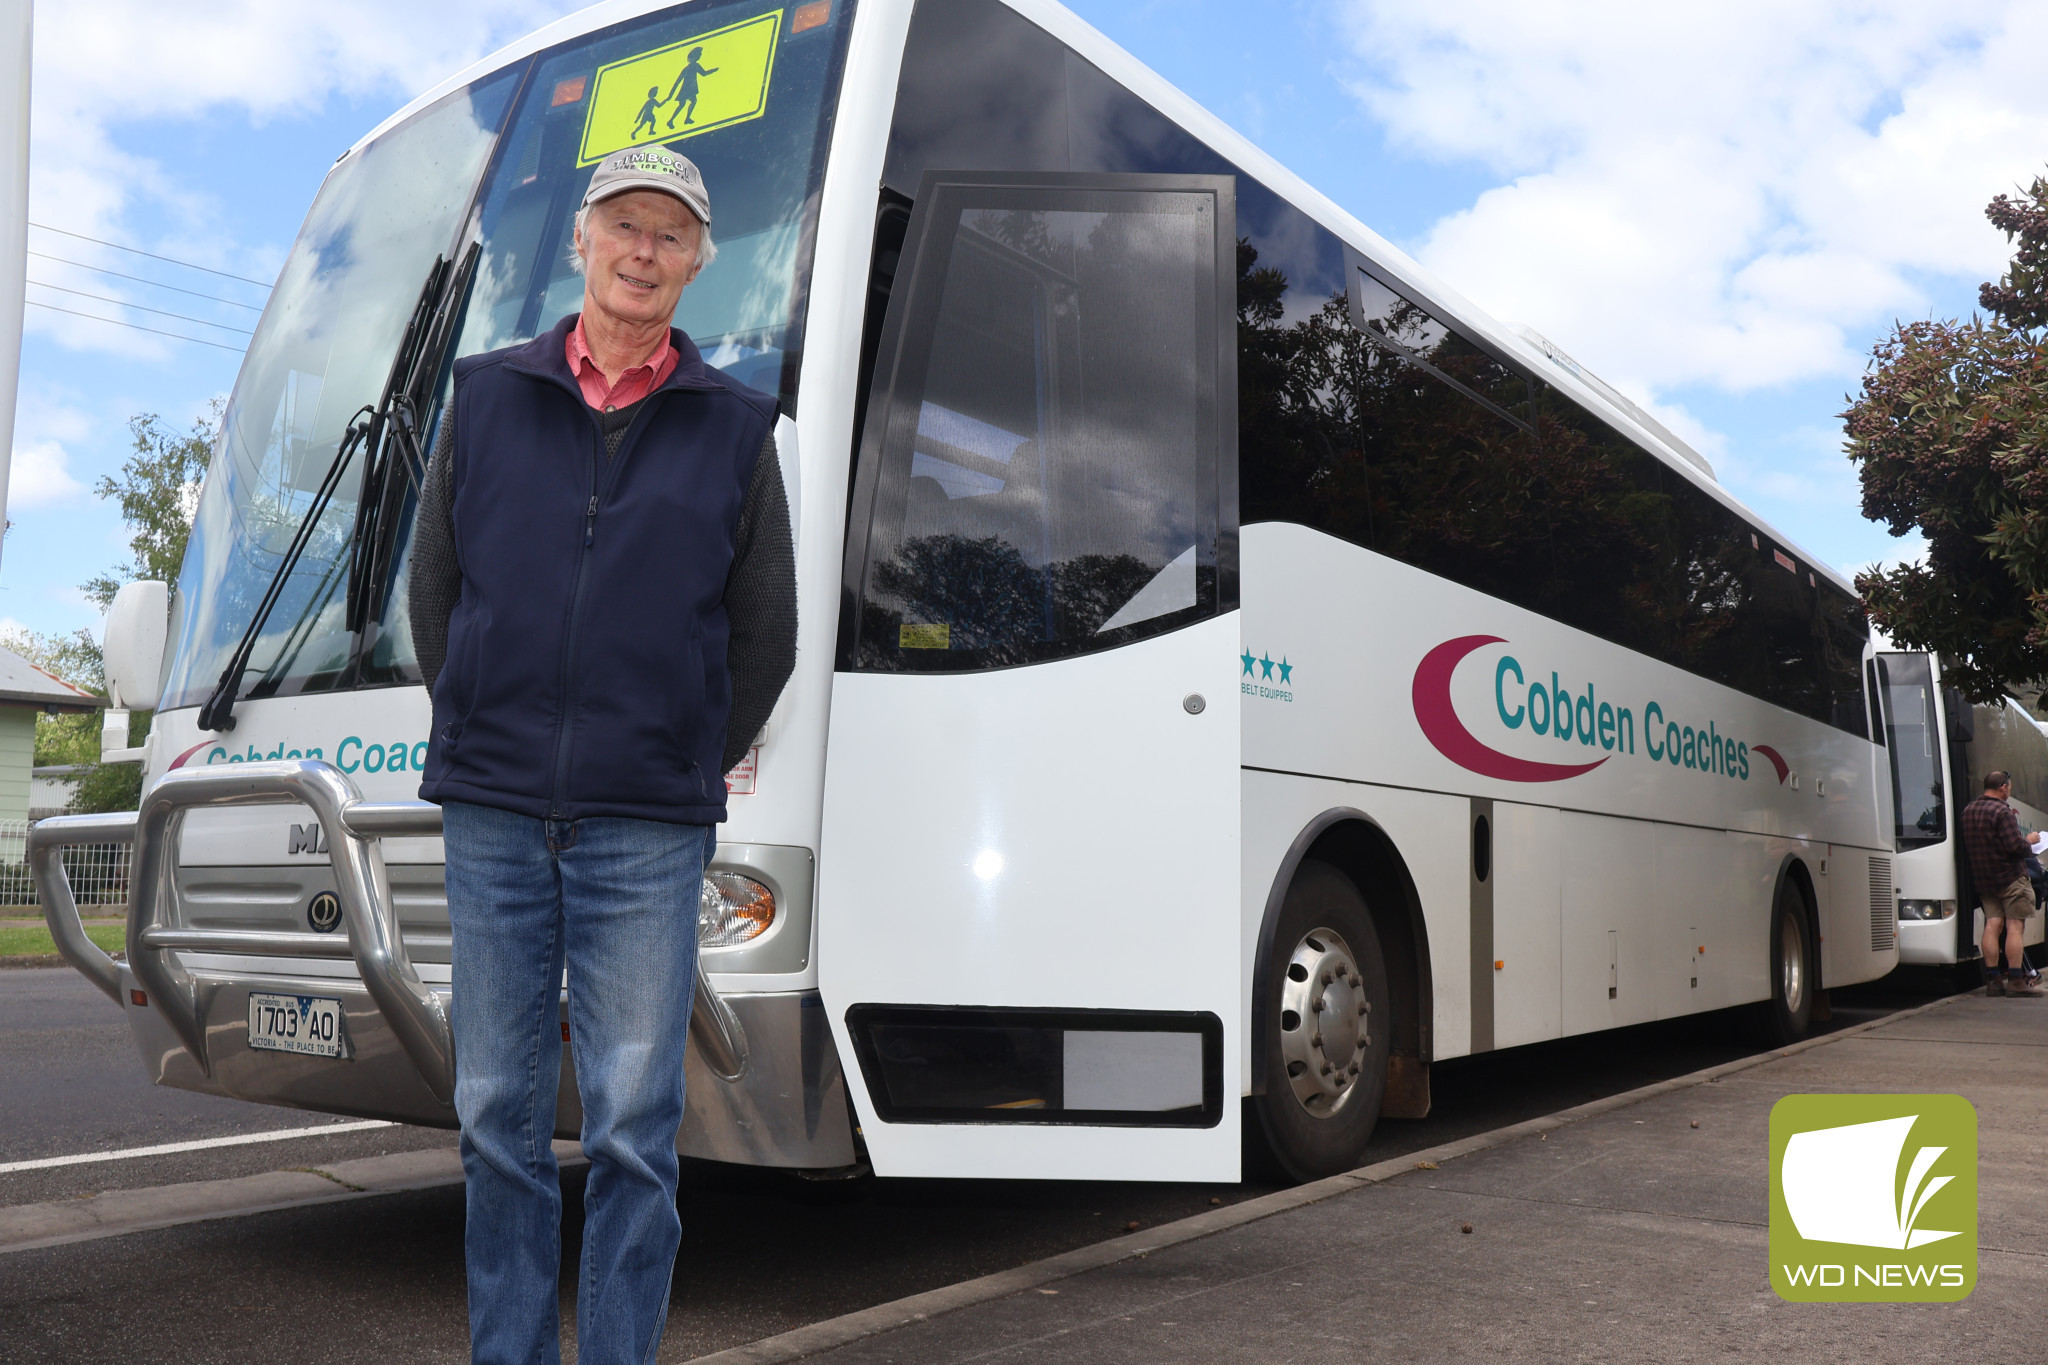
(616,901)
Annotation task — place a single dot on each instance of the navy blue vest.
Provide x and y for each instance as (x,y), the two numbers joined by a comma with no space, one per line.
(586,670)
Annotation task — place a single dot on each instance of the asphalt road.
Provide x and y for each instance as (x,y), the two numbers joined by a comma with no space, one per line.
(73,1082)
(381,1279)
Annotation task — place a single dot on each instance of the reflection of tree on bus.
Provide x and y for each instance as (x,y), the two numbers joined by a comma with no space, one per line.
(1560,514)
(684,91)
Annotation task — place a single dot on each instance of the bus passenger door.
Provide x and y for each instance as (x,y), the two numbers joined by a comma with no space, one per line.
(1028,909)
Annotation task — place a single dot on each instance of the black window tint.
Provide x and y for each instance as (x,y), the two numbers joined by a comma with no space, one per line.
(982,89)
(1377,309)
(1042,473)
(1847,632)
(1912,716)
(1372,418)
(1649,559)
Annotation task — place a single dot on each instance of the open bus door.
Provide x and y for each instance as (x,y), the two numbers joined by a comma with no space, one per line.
(1029,922)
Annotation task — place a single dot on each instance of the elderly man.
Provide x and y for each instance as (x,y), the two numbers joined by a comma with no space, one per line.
(603,603)
(1998,864)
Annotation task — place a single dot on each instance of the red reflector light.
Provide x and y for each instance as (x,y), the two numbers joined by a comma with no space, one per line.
(569,91)
(1784,561)
(137,998)
(810,16)
(565,1030)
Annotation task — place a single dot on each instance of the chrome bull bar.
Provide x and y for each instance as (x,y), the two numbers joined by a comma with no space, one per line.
(416,1014)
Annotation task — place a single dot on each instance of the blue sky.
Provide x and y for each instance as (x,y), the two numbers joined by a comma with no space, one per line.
(1718,214)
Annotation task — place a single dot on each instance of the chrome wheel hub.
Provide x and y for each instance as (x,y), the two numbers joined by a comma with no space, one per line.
(1791,964)
(1325,1022)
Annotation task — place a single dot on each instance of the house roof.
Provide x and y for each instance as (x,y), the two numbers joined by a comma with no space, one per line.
(23,684)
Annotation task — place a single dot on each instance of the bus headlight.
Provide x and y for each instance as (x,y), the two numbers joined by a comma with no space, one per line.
(1924,910)
(732,910)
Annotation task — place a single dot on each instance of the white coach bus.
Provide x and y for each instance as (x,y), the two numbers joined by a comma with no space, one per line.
(1940,747)
(1235,673)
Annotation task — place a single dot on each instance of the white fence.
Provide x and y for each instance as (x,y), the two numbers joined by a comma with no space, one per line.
(98,872)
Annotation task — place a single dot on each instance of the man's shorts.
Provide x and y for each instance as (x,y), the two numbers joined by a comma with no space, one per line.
(2015,902)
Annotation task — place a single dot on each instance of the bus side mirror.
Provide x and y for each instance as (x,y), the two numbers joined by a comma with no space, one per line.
(134,644)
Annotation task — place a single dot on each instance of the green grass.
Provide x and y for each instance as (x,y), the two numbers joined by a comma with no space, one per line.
(36,939)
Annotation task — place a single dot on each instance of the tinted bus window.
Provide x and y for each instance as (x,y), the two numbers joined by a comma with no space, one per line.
(1042,468)
(1912,714)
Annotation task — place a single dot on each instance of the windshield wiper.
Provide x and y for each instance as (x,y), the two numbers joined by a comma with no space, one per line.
(394,421)
(397,434)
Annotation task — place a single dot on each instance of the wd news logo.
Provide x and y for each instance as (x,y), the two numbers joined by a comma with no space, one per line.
(1873,1198)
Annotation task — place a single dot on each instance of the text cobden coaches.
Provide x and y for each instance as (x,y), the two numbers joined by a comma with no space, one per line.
(603,602)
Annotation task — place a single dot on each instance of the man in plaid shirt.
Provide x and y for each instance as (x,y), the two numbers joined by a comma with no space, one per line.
(1998,853)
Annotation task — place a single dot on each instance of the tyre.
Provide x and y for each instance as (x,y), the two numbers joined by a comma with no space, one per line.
(1328,1028)
(1795,980)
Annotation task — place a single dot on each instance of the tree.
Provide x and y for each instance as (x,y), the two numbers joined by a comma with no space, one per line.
(1950,433)
(158,493)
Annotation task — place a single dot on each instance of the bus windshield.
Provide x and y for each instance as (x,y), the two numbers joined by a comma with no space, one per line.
(744,89)
(1912,723)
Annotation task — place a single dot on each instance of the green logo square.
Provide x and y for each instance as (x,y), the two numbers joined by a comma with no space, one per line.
(1873,1198)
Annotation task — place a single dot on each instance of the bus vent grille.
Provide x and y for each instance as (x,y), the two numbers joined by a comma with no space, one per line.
(1884,911)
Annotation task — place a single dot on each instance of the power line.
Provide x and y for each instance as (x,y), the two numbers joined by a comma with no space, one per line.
(102,298)
(155,284)
(261,284)
(94,317)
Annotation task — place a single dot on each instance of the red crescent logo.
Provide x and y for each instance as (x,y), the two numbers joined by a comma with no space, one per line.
(179,761)
(1777,760)
(1440,723)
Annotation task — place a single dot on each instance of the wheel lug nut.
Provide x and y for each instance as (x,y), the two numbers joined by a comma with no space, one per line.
(1326,978)
(1327,1068)
(1316,1005)
(1316,1041)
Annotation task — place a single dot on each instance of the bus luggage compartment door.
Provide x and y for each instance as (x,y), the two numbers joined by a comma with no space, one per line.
(1028,912)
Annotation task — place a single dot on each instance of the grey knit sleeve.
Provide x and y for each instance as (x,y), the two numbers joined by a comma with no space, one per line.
(435,579)
(760,605)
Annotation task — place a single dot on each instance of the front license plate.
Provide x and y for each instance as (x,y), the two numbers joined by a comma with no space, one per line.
(297,1023)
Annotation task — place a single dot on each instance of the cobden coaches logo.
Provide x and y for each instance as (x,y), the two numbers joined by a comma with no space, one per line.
(1585,717)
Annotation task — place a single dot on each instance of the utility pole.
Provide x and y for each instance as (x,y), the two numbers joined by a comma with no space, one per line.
(17,29)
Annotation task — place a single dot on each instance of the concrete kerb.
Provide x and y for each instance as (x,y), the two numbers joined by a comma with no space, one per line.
(887,1317)
(117,1212)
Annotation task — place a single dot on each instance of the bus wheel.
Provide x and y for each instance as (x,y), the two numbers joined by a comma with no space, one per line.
(1328,1028)
(1789,1012)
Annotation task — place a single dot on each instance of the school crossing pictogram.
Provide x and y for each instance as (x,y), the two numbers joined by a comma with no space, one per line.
(682,90)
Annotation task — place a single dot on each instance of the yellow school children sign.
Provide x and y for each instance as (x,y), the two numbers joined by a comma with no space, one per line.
(711,81)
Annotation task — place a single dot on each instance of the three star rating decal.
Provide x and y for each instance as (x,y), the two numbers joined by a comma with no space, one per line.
(1261,667)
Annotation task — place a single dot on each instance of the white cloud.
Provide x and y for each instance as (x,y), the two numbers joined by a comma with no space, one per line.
(39,468)
(103,67)
(39,475)
(1734,196)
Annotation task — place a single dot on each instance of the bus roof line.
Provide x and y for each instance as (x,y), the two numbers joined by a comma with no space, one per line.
(1558,356)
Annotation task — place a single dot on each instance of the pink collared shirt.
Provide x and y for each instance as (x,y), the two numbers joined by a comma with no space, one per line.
(634,385)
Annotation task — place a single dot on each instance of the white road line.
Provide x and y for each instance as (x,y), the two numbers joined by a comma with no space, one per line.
(166,1148)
